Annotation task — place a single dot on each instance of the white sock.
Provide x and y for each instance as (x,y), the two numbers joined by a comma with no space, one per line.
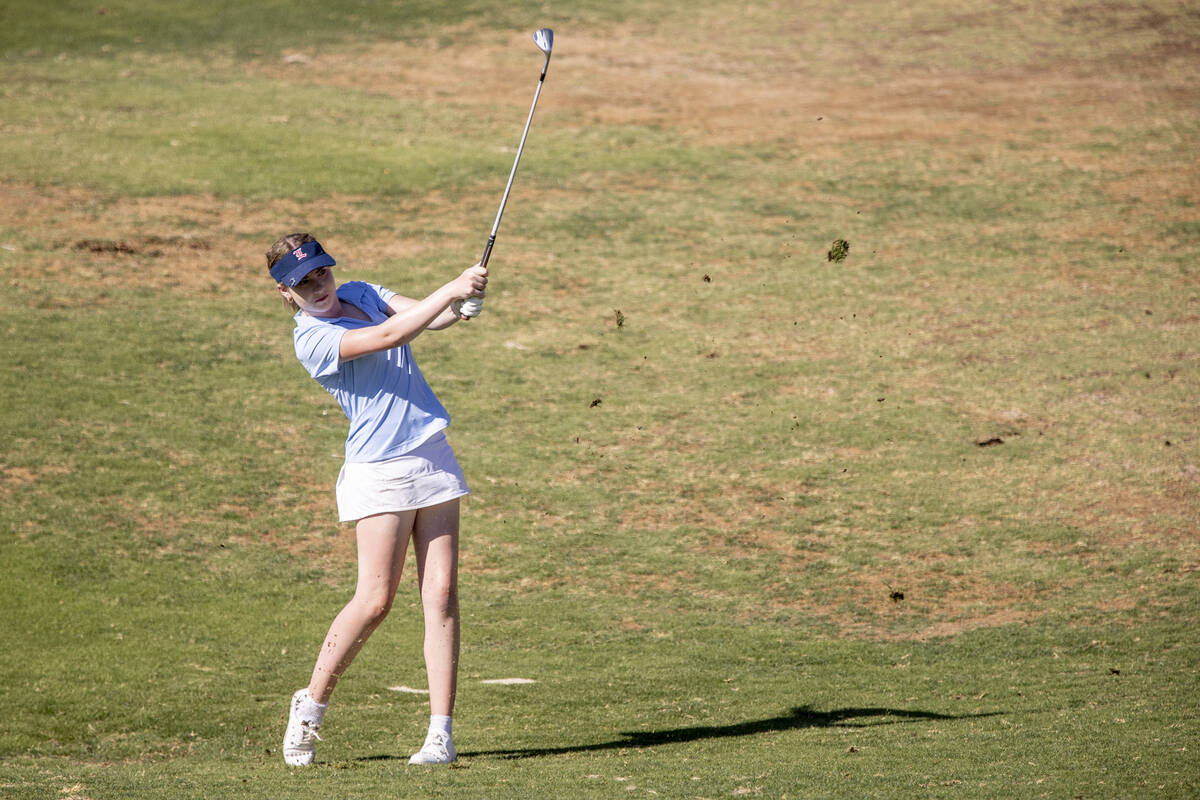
(311,710)
(440,723)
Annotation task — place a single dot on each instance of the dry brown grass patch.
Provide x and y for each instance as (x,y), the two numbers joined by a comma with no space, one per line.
(627,76)
(916,601)
(190,244)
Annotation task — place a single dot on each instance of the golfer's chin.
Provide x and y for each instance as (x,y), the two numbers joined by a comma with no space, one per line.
(324,308)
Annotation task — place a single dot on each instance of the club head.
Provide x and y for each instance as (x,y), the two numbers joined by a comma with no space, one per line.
(544,39)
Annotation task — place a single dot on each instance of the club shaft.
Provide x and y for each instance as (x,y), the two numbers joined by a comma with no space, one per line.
(487,252)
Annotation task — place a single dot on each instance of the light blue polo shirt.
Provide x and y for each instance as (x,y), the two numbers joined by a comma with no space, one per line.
(390,406)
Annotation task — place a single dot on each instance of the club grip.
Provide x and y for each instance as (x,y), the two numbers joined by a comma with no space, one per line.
(487,251)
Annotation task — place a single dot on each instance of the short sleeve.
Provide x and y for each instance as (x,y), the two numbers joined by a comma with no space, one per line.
(382,296)
(319,348)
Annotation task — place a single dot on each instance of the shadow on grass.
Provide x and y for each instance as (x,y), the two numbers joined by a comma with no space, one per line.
(799,717)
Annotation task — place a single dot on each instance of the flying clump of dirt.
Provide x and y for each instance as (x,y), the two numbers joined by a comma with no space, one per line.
(838,251)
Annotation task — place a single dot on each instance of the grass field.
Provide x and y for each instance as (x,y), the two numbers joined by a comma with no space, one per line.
(922,522)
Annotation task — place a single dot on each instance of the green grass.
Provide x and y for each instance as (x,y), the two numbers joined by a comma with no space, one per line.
(149,135)
(249,29)
(919,523)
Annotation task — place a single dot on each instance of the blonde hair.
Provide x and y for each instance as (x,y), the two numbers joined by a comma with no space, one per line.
(283,246)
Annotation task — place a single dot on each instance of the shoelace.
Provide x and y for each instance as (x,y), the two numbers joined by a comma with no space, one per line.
(437,741)
(308,732)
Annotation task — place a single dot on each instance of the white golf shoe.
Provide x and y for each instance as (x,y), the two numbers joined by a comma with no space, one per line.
(438,749)
(299,741)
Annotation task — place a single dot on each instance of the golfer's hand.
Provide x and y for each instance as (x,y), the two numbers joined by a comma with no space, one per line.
(471,286)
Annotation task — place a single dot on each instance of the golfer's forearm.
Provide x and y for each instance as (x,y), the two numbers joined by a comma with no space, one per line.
(399,329)
(443,320)
(402,328)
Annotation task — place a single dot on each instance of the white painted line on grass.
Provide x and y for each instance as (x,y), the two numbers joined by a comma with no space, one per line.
(407,690)
(509,681)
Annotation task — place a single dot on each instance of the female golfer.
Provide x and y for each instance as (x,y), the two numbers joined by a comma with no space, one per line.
(400,479)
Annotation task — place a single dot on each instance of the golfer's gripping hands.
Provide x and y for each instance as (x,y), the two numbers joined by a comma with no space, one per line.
(473,282)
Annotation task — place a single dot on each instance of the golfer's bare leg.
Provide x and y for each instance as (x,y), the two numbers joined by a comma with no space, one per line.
(435,537)
(382,544)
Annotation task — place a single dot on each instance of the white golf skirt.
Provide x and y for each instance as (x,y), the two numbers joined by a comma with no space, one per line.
(423,477)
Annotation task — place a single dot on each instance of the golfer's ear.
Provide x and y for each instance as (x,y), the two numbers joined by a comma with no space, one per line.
(289,302)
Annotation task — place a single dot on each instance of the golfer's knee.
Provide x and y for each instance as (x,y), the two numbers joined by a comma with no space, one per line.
(373,605)
(440,598)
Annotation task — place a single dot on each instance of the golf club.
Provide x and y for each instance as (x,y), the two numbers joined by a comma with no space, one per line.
(544,39)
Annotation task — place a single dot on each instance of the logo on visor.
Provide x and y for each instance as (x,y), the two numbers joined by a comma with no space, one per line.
(299,254)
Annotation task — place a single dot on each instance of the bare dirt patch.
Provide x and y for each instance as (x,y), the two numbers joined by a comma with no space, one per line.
(15,479)
(914,601)
(629,77)
(1116,519)
(186,244)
